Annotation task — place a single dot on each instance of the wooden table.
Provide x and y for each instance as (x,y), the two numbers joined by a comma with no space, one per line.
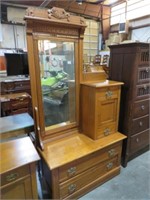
(7,98)
(18,169)
(15,125)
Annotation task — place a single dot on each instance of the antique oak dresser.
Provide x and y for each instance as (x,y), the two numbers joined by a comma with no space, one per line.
(73,160)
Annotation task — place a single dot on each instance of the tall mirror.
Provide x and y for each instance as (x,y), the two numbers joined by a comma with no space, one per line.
(55,54)
(57,72)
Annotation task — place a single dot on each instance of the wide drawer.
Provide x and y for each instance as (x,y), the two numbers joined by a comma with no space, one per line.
(108,92)
(91,175)
(14,175)
(139,141)
(22,85)
(141,108)
(74,168)
(140,124)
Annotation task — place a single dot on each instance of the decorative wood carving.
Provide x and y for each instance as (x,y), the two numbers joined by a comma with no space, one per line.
(57,15)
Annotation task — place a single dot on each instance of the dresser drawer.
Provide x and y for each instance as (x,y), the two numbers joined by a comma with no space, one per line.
(143,74)
(106,130)
(143,91)
(141,108)
(91,175)
(140,124)
(21,85)
(139,141)
(74,168)
(108,92)
(14,175)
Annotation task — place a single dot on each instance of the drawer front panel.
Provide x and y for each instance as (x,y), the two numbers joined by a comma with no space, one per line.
(22,85)
(78,182)
(141,108)
(140,124)
(144,74)
(106,130)
(143,91)
(108,92)
(139,141)
(76,167)
(14,175)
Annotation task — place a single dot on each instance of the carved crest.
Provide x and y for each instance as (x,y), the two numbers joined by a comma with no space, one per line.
(58,13)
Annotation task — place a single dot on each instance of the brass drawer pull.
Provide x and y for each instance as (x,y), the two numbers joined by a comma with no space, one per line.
(71,188)
(106,131)
(146,70)
(71,171)
(12,177)
(109,94)
(111,152)
(109,165)
(142,107)
(137,140)
(141,124)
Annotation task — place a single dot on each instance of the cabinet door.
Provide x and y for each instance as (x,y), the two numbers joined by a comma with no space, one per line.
(18,190)
(107,115)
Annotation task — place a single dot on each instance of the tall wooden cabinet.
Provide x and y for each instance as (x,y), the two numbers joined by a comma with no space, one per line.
(130,63)
(73,161)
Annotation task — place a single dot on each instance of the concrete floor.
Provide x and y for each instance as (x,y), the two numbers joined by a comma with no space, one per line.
(132,183)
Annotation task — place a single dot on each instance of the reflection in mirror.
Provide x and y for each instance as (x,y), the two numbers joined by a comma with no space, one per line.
(57,81)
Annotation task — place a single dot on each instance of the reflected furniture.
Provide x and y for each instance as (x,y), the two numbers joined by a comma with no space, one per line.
(15,103)
(130,63)
(15,126)
(18,169)
(13,84)
(72,163)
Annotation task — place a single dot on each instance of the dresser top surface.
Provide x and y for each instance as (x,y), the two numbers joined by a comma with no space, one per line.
(17,153)
(104,83)
(61,152)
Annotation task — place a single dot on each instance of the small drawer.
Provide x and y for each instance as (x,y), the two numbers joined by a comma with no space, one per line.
(108,92)
(77,183)
(139,141)
(140,124)
(141,108)
(144,74)
(143,90)
(14,175)
(74,168)
(106,130)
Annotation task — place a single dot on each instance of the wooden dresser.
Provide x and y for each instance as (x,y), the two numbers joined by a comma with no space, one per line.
(130,63)
(18,169)
(75,165)
(15,85)
(74,159)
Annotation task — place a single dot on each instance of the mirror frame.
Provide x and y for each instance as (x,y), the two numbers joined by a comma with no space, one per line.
(55,24)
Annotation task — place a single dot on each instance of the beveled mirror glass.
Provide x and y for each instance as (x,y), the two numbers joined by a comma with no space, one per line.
(57,71)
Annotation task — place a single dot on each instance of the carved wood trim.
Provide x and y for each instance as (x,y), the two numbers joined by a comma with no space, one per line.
(58,15)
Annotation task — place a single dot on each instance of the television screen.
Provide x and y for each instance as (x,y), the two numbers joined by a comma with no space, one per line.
(16,64)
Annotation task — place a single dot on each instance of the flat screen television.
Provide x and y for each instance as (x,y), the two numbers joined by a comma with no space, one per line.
(17,64)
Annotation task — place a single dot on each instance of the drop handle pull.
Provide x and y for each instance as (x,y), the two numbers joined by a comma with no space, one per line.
(111,152)
(109,165)
(140,123)
(109,94)
(142,107)
(71,188)
(71,171)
